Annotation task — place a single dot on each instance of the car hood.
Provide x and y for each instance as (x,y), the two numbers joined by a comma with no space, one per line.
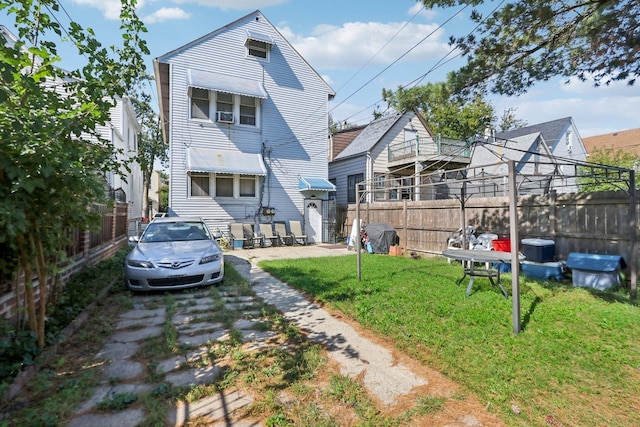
(174,250)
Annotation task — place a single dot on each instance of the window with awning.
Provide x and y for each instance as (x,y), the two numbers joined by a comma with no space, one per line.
(224,99)
(258,45)
(234,175)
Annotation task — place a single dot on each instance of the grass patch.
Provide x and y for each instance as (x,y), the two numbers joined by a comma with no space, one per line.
(576,359)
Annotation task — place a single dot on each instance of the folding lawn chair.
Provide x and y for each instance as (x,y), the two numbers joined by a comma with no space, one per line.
(285,237)
(296,230)
(267,234)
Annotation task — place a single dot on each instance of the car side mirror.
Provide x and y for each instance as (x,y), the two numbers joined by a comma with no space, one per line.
(133,239)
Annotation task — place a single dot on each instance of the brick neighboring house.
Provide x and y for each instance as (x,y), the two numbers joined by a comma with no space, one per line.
(626,140)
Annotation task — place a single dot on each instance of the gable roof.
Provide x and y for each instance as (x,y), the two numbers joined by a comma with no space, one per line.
(162,69)
(551,131)
(369,136)
(627,140)
(342,138)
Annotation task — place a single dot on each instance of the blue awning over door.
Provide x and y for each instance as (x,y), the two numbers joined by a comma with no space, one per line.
(315,184)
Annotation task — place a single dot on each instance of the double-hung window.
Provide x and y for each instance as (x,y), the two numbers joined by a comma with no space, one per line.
(199,185)
(225,107)
(352,181)
(247,110)
(224,185)
(235,186)
(199,103)
(257,49)
(379,183)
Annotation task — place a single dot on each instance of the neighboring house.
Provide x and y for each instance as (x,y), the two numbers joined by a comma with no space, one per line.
(627,140)
(122,132)
(541,154)
(340,139)
(389,154)
(154,193)
(246,120)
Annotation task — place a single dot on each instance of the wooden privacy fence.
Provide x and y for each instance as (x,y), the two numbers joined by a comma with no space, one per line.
(578,222)
(85,247)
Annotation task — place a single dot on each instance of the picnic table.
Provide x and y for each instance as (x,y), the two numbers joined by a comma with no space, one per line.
(471,256)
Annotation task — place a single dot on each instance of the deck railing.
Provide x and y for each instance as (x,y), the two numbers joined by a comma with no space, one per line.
(439,146)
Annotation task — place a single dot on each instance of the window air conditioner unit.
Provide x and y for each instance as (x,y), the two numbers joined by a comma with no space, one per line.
(225,117)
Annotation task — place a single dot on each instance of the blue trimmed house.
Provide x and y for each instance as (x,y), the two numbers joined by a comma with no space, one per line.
(246,120)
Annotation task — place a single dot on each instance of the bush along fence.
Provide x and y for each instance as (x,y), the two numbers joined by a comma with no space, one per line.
(85,248)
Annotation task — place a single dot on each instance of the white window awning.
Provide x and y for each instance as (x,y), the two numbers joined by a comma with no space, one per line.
(219,161)
(224,83)
(252,35)
(315,184)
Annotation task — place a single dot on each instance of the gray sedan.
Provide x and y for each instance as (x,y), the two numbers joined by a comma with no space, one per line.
(174,253)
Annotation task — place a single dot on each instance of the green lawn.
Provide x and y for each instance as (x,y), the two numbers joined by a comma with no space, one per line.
(576,361)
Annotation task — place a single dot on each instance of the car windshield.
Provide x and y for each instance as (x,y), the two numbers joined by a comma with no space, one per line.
(174,232)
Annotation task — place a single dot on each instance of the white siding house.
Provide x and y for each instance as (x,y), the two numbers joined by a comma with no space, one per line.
(121,131)
(245,117)
(388,155)
(540,153)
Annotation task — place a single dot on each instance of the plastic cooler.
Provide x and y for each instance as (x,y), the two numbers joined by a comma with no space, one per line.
(538,250)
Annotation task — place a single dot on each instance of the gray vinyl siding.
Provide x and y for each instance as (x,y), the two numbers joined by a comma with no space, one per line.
(293,123)
(341,169)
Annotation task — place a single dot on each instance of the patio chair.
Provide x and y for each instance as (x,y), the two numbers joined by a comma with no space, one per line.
(296,230)
(238,237)
(267,234)
(251,234)
(285,237)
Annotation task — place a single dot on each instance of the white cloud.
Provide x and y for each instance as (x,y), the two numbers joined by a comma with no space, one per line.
(235,4)
(430,14)
(594,110)
(357,43)
(166,14)
(110,8)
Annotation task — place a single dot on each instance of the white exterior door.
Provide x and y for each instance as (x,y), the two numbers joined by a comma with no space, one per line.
(313,223)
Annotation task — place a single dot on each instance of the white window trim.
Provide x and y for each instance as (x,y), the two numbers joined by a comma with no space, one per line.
(257,58)
(236,188)
(190,175)
(213,111)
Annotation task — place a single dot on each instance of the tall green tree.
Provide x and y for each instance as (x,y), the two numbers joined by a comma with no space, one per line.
(53,159)
(524,41)
(151,147)
(445,113)
(510,121)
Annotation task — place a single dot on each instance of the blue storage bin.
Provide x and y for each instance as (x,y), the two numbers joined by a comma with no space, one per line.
(544,270)
(595,270)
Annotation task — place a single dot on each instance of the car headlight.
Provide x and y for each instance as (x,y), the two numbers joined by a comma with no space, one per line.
(139,263)
(210,258)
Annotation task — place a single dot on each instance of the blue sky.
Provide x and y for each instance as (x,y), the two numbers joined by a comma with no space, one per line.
(359,47)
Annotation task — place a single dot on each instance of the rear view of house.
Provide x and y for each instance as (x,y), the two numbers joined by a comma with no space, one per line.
(245,117)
